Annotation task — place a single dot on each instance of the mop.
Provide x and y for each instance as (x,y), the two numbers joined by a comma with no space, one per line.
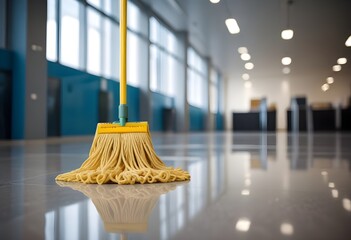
(122,152)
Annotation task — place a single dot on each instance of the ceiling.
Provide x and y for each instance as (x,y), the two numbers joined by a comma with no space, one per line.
(320,31)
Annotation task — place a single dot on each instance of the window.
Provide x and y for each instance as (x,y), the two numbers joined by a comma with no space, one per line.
(164,59)
(103,45)
(154,69)
(110,60)
(137,20)
(109,7)
(197,78)
(137,45)
(51,31)
(70,33)
(133,64)
(89,38)
(94,42)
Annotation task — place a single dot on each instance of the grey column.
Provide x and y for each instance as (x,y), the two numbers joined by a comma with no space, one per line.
(27,39)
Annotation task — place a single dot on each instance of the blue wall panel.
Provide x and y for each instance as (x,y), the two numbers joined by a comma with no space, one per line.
(158,103)
(6,60)
(197,119)
(80,100)
(113,87)
(219,121)
(133,103)
(80,105)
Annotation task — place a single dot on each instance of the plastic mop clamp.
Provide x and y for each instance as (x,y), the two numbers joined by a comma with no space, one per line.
(122,152)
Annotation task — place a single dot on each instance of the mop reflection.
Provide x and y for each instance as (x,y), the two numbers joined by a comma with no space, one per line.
(124,209)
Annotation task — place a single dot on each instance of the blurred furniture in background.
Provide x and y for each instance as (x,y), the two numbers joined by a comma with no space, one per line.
(259,118)
(168,116)
(323,116)
(346,117)
(5,105)
(255,104)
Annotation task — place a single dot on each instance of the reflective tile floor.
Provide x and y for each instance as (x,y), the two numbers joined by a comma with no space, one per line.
(243,186)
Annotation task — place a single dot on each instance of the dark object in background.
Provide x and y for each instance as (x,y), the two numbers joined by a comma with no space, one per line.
(323,119)
(260,118)
(346,119)
(168,116)
(323,116)
(105,99)
(271,120)
(54,107)
(246,121)
(5,105)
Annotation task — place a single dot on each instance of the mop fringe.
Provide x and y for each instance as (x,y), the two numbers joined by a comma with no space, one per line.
(123,158)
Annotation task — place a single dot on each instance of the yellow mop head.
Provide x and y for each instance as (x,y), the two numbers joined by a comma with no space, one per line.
(123,155)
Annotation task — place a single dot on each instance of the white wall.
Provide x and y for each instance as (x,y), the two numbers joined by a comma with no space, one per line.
(279,91)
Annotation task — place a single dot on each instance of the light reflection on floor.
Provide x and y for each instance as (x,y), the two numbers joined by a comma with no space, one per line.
(243,186)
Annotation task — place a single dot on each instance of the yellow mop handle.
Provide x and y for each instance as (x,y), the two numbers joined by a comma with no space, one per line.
(123,51)
(123,109)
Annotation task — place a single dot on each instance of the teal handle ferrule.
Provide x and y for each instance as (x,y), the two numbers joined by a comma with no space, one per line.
(123,114)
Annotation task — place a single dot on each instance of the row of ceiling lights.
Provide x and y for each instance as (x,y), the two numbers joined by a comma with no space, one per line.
(233,28)
(336,68)
(245,56)
(286,34)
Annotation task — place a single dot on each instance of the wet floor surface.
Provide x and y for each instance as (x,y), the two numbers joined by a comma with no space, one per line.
(243,186)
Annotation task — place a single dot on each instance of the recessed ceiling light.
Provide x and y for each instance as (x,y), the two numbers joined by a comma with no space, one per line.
(249,66)
(232,26)
(286,228)
(245,56)
(324,88)
(242,50)
(286,70)
(245,192)
(342,61)
(245,76)
(348,42)
(248,84)
(330,80)
(287,34)
(336,68)
(335,193)
(286,60)
(243,225)
(215,1)
(346,204)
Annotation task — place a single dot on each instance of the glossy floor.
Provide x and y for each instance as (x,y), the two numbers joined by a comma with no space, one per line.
(243,186)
